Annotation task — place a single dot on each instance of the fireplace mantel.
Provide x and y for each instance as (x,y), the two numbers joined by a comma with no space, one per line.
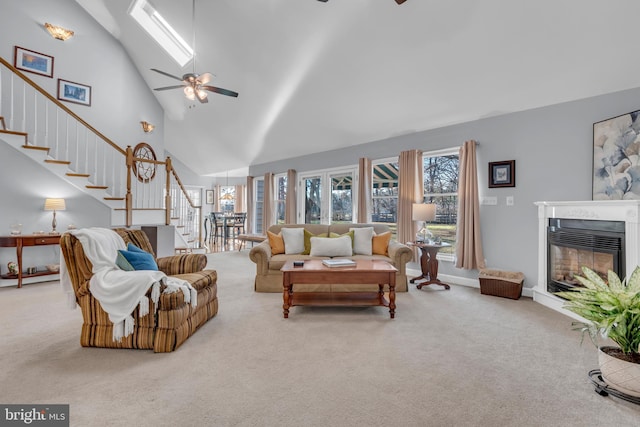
(609,210)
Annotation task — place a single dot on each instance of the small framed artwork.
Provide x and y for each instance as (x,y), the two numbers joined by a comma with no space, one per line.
(74,92)
(502,174)
(209,197)
(33,62)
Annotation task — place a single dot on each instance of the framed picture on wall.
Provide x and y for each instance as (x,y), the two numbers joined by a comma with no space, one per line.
(74,92)
(502,174)
(33,62)
(615,153)
(209,197)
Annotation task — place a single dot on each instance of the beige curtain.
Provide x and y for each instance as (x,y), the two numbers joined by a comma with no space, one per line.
(410,191)
(269,214)
(365,183)
(239,205)
(216,198)
(250,225)
(469,254)
(291,201)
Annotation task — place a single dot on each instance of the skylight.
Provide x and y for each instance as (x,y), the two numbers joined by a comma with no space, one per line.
(160,30)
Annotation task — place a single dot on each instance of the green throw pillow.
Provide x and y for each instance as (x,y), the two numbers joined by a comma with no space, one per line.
(350,234)
(307,241)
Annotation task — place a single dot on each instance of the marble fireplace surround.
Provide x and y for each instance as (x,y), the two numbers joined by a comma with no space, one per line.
(605,210)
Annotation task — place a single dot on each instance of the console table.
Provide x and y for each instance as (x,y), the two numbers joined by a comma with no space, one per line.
(429,264)
(19,241)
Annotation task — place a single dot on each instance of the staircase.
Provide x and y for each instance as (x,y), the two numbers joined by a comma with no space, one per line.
(40,127)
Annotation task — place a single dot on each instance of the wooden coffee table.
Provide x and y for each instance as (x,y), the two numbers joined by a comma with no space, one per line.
(314,272)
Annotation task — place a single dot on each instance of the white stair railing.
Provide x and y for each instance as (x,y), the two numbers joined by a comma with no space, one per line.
(49,124)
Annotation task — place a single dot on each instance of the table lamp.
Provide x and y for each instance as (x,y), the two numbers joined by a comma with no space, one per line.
(54,205)
(424,212)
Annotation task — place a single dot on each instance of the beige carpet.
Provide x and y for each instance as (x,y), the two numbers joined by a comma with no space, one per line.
(450,358)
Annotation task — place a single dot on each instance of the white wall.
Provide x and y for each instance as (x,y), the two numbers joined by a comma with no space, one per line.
(553,149)
(120,100)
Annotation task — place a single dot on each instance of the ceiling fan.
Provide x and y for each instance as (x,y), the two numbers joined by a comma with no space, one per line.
(397,1)
(195,85)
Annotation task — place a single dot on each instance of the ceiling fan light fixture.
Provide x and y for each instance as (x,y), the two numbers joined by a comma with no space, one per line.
(190,93)
(193,84)
(201,94)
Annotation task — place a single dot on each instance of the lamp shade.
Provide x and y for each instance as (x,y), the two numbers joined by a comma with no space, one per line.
(54,205)
(424,212)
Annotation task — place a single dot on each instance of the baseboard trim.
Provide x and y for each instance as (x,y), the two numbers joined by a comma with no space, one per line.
(465,281)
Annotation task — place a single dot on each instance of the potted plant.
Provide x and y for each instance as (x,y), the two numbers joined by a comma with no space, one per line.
(611,310)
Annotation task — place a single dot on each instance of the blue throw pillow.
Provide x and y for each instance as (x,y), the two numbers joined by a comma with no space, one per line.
(133,248)
(135,259)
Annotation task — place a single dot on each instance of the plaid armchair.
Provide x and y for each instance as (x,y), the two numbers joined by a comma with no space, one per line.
(162,330)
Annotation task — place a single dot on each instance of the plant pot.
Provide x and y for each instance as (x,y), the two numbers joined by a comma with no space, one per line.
(622,375)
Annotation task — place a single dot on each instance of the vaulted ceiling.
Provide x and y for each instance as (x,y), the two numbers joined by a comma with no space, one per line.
(315,76)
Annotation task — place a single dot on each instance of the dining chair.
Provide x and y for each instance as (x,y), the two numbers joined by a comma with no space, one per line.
(217,226)
(237,225)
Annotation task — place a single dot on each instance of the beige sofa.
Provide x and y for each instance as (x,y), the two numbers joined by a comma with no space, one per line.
(269,278)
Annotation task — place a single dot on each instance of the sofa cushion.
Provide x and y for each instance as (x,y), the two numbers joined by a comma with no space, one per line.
(199,280)
(276,243)
(293,240)
(307,240)
(380,243)
(362,240)
(313,228)
(339,246)
(350,234)
(341,228)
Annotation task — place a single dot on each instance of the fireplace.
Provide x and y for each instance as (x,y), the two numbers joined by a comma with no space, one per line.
(601,234)
(576,243)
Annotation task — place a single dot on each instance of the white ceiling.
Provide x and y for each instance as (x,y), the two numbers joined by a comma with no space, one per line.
(316,76)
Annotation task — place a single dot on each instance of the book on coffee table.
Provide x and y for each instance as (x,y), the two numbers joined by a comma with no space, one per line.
(340,262)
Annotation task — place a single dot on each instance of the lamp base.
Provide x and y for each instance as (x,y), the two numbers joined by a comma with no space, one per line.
(54,223)
(424,235)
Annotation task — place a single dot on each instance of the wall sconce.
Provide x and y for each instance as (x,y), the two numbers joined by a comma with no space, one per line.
(147,127)
(58,32)
(54,205)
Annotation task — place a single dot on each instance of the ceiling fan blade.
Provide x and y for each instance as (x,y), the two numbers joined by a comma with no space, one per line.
(167,74)
(169,87)
(205,78)
(220,91)
(400,1)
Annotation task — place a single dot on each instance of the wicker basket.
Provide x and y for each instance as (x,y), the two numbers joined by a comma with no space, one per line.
(500,283)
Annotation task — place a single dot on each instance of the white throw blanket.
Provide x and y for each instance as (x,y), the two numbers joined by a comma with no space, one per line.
(118,291)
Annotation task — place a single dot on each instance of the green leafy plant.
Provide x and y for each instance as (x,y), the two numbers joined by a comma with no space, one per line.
(612,309)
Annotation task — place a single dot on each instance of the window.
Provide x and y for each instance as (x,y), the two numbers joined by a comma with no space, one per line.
(258,204)
(440,170)
(329,196)
(160,30)
(281,195)
(342,197)
(384,206)
(227,198)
